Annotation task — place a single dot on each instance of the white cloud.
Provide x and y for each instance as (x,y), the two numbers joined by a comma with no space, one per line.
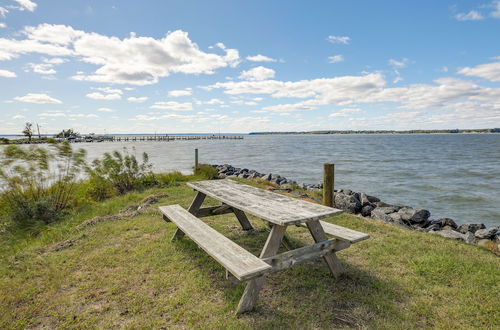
(37,98)
(7,74)
(489,71)
(3,11)
(260,58)
(214,101)
(172,105)
(182,92)
(399,64)
(496,9)
(101,96)
(133,60)
(257,74)
(470,16)
(339,40)
(27,4)
(335,59)
(42,68)
(137,99)
(345,112)
(105,110)
(109,90)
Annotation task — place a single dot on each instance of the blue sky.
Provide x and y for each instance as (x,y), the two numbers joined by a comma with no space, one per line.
(243,66)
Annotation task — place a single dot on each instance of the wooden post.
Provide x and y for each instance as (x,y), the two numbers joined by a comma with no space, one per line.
(195,160)
(328,181)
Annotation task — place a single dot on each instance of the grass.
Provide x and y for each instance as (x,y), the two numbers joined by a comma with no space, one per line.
(126,273)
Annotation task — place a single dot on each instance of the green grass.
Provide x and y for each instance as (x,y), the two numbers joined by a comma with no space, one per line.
(127,273)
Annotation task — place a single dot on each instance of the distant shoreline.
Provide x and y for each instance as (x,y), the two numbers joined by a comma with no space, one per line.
(351,132)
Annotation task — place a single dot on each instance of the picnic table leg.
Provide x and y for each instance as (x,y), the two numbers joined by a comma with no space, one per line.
(193,209)
(331,259)
(253,287)
(242,218)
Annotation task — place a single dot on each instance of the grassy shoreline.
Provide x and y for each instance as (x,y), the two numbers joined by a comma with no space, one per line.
(127,273)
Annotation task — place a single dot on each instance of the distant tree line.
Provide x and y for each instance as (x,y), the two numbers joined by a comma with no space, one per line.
(417,131)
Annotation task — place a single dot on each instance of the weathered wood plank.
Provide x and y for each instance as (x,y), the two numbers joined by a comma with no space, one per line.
(213,210)
(193,209)
(342,233)
(241,263)
(272,207)
(242,218)
(298,256)
(331,259)
(253,287)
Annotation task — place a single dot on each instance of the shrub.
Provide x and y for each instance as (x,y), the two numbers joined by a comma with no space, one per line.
(39,182)
(207,172)
(122,171)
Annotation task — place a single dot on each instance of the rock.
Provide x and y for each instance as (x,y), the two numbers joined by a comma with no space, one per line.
(411,215)
(447,222)
(347,203)
(382,213)
(382,204)
(472,227)
(366,211)
(484,242)
(486,233)
(396,217)
(469,238)
(363,198)
(433,227)
(449,234)
(373,199)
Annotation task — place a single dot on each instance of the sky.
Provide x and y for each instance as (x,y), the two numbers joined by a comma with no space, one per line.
(243,66)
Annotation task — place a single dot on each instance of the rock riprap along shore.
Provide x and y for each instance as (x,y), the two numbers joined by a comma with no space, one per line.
(371,206)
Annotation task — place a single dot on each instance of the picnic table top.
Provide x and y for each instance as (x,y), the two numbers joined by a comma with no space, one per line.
(270,206)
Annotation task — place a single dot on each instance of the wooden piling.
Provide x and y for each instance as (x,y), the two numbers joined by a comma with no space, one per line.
(195,160)
(328,182)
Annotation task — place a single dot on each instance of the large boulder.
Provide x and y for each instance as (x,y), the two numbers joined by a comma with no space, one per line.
(445,222)
(449,234)
(383,213)
(486,233)
(472,227)
(412,216)
(366,211)
(469,238)
(347,203)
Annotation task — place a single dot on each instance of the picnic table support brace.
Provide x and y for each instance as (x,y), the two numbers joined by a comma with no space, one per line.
(242,218)
(193,209)
(331,259)
(253,287)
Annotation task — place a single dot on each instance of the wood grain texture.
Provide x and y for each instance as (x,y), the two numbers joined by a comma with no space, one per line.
(253,287)
(342,233)
(272,207)
(331,259)
(298,256)
(241,263)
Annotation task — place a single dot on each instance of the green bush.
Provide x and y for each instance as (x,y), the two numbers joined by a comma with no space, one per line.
(122,171)
(39,182)
(206,171)
(170,179)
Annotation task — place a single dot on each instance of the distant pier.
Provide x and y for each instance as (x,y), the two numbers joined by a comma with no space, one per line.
(152,138)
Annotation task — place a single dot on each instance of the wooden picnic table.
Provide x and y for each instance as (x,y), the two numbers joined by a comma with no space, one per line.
(279,211)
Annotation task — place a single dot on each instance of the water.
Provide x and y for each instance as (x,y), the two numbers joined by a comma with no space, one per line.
(452,175)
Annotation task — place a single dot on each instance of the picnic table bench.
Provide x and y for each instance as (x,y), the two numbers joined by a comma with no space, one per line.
(279,211)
